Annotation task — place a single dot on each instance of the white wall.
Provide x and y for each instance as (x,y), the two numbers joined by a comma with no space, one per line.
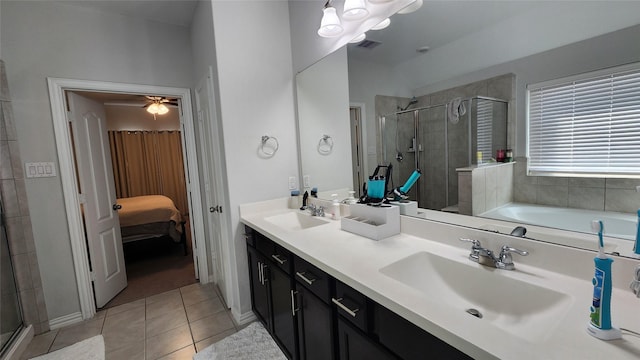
(323,108)
(547,26)
(47,39)
(256,98)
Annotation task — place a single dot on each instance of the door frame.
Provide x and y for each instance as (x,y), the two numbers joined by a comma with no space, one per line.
(361,137)
(57,87)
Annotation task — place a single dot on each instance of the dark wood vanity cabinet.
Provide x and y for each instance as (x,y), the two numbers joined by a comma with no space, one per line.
(312,316)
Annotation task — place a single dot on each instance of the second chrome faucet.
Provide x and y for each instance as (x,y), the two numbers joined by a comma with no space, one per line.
(487,257)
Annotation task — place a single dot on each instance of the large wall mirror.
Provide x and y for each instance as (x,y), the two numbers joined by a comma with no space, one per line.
(397,106)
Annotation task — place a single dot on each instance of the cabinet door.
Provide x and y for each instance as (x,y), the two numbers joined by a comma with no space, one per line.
(258,270)
(283,311)
(353,345)
(315,327)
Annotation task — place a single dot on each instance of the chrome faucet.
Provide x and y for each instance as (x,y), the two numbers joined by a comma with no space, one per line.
(316,210)
(487,257)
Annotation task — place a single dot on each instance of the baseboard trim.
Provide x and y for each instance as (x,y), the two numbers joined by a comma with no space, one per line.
(20,344)
(244,318)
(65,320)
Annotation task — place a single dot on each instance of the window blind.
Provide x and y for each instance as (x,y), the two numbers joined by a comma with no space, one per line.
(587,125)
(485,129)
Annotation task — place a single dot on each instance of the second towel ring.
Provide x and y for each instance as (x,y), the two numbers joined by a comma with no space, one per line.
(273,145)
(325,145)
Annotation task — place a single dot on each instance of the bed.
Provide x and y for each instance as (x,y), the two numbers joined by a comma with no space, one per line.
(151,216)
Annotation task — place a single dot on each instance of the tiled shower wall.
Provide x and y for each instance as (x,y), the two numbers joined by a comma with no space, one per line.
(433,180)
(18,225)
(579,193)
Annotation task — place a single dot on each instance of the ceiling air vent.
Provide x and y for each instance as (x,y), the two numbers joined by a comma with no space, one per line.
(368,44)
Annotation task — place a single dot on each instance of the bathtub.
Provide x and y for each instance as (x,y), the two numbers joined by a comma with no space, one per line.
(618,225)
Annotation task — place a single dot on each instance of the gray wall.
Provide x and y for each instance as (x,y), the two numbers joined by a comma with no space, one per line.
(45,39)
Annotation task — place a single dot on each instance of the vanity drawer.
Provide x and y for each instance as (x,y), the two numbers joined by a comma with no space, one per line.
(282,258)
(314,279)
(352,305)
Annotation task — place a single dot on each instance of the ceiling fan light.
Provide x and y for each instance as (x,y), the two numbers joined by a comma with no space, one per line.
(162,109)
(330,25)
(354,10)
(383,24)
(411,7)
(358,39)
(153,108)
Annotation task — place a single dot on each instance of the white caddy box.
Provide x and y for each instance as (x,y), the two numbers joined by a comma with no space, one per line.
(372,222)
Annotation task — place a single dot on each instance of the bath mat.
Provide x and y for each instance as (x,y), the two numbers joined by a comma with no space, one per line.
(250,343)
(89,349)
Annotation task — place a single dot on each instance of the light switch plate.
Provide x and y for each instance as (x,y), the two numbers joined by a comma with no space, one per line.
(292,183)
(40,169)
(306,179)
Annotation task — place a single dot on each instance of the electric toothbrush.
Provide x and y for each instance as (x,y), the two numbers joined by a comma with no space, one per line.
(600,324)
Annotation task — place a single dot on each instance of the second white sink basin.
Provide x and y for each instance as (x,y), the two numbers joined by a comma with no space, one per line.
(523,309)
(293,221)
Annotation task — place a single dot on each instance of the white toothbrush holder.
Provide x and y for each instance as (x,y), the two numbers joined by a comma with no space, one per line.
(373,222)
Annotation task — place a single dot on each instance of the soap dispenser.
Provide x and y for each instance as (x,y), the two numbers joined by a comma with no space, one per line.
(335,207)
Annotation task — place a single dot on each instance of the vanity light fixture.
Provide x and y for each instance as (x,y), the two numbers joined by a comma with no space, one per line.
(383,24)
(354,10)
(330,25)
(379,1)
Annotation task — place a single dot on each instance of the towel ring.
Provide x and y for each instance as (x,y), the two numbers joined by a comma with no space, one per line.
(265,142)
(325,145)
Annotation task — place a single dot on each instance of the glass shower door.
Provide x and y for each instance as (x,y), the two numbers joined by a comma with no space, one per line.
(10,313)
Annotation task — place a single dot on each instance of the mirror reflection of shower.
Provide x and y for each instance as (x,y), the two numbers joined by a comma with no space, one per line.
(438,139)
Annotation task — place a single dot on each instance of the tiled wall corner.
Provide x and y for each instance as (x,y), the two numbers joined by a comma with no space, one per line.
(18,221)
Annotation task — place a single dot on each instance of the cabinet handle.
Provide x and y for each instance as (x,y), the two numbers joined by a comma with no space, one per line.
(302,276)
(260,276)
(264,275)
(293,303)
(276,257)
(247,236)
(338,302)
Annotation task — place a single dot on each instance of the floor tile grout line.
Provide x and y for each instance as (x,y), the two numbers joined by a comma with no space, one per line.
(184,308)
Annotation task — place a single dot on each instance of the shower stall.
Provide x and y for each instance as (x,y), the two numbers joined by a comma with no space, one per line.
(10,309)
(438,139)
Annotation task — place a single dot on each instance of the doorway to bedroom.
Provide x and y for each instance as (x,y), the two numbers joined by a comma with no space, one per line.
(148,176)
(91,204)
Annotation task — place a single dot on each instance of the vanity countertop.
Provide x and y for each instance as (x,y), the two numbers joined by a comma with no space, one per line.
(356,261)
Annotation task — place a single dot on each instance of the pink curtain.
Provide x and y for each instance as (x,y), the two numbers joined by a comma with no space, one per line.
(149,163)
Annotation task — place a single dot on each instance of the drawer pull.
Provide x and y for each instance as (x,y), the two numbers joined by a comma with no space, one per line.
(276,257)
(302,276)
(338,302)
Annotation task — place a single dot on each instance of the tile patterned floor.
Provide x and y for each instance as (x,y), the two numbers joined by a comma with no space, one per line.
(171,325)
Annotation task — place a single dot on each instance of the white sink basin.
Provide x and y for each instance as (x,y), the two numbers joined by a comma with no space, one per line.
(525,310)
(294,221)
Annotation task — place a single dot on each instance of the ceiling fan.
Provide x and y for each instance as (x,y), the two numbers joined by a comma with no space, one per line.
(157,105)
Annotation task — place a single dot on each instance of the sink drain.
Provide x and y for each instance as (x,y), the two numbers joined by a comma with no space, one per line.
(475,313)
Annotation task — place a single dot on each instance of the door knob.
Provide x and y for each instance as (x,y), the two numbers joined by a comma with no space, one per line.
(116,207)
(212,209)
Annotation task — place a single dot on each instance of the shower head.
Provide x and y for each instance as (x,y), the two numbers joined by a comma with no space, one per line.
(413,101)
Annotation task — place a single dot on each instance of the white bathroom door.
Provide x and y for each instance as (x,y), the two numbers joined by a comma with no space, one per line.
(208,136)
(97,188)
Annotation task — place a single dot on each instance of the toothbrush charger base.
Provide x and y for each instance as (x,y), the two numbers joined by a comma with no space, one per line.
(610,334)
